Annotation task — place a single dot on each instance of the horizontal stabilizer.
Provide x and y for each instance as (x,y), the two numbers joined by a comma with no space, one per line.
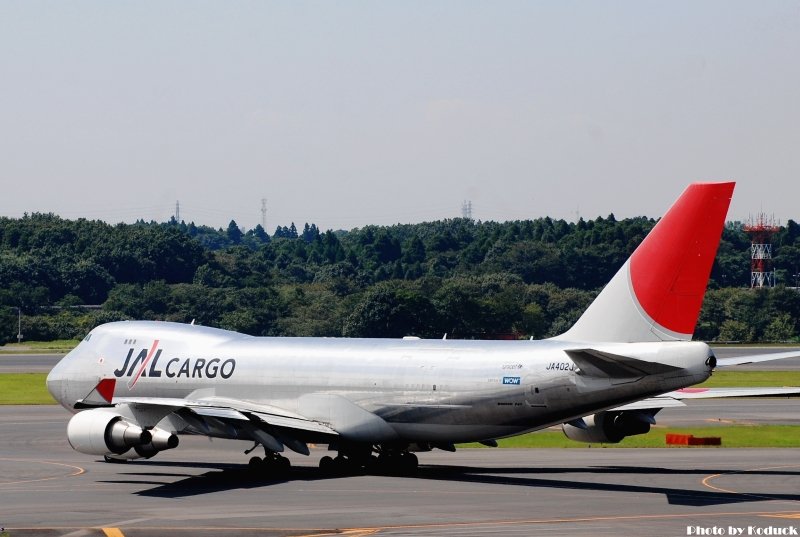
(596,363)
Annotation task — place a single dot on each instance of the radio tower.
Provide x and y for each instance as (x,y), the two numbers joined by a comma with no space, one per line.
(178,212)
(264,213)
(466,210)
(761,229)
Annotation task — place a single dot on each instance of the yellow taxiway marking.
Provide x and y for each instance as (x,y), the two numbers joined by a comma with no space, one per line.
(706,481)
(78,471)
(353,532)
(358,532)
(377,529)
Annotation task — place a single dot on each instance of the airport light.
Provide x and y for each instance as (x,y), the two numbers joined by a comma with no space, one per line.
(19,325)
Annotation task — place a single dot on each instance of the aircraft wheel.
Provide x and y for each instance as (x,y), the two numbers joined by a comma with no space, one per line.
(283,464)
(409,462)
(395,463)
(327,465)
(112,460)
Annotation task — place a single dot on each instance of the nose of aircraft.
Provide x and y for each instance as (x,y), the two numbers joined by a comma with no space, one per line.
(56,380)
(63,380)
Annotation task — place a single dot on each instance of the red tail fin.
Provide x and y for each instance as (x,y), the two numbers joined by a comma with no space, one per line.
(670,269)
(658,293)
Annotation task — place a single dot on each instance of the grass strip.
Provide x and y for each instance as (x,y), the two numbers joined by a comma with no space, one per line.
(24,389)
(59,346)
(747,379)
(733,436)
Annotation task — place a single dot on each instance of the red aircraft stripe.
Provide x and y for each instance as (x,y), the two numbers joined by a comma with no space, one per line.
(144,364)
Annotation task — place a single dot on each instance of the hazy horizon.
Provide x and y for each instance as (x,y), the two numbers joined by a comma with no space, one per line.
(354,113)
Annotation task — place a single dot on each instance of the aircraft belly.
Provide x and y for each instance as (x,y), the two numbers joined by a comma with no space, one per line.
(425,432)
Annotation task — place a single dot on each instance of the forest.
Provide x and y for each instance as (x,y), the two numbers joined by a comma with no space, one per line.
(460,277)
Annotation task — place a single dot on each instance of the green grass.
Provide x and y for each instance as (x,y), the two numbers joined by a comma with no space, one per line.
(745,379)
(732,436)
(24,389)
(40,347)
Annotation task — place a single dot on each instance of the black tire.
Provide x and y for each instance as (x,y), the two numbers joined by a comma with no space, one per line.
(327,464)
(283,464)
(410,462)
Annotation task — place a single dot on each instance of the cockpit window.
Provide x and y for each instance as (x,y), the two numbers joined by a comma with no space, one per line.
(88,337)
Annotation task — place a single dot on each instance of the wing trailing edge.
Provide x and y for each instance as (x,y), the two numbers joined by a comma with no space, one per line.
(755,358)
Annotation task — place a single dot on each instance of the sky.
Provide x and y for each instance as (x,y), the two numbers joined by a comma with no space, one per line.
(347,113)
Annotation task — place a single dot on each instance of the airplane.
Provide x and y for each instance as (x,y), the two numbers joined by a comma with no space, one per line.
(136,386)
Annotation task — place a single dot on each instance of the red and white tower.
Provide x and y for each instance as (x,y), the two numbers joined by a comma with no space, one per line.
(761,229)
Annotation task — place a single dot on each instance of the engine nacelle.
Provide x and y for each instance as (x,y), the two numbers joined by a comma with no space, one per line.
(608,427)
(160,441)
(100,431)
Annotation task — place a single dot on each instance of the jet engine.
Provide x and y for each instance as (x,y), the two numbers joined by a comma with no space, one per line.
(608,427)
(159,441)
(102,431)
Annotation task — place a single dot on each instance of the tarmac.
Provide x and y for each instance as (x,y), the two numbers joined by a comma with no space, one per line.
(204,488)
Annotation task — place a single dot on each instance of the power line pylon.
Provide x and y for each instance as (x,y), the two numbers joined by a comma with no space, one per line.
(466,209)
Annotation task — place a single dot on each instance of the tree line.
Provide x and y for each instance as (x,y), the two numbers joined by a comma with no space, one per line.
(458,277)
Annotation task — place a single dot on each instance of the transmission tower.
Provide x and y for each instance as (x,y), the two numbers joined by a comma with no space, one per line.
(761,229)
(466,210)
(264,213)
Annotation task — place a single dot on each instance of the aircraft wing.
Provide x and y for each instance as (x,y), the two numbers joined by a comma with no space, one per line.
(712,393)
(754,358)
(271,426)
(675,399)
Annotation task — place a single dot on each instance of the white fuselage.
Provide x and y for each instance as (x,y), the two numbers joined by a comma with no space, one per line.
(371,390)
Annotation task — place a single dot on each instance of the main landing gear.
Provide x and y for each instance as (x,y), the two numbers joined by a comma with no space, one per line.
(272,464)
(355,461)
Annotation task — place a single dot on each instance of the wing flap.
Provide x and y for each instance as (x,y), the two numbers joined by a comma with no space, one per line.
(651,403)
(294,423)
(232,409)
